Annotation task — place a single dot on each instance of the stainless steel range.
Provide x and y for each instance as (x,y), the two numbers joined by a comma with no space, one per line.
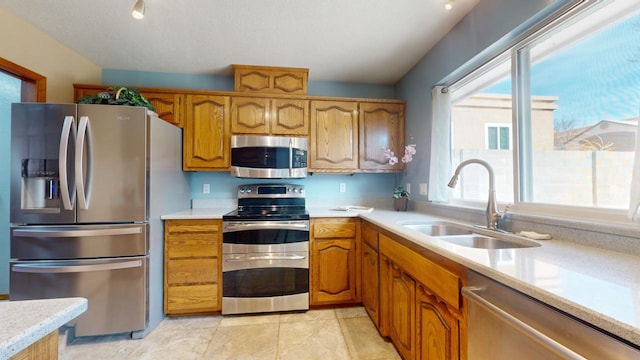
(265,250)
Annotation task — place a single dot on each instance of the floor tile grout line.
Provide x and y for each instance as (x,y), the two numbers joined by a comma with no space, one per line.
(344,338)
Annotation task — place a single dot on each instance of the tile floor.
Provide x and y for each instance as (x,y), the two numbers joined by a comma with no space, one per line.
(335,334)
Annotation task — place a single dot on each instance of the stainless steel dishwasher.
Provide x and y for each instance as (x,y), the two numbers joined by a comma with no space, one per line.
(506,324)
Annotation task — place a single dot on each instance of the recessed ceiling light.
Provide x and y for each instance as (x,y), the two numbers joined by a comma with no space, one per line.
(138,10)
(448,5)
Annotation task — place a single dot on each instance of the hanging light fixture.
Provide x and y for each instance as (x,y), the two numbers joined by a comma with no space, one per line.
(138,10)
(448,5)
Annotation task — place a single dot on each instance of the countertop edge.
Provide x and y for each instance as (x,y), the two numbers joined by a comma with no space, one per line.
(69,308)
(615,327)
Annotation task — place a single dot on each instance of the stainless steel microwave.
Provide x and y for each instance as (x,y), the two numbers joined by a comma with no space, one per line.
(268,157)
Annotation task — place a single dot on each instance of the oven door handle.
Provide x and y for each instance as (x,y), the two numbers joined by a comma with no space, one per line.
(265,225)
(264,257)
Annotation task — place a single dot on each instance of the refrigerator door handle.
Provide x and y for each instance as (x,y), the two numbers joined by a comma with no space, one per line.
(68,197)
(51,268)
(84,189)
(54,233)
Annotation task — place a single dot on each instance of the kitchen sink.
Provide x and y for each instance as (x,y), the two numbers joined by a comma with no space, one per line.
(462,236)
(486,242)
(438,228)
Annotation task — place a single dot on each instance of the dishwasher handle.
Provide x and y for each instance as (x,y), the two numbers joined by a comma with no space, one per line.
(470,293)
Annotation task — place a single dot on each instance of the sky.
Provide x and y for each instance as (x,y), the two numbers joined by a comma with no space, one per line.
(595,79)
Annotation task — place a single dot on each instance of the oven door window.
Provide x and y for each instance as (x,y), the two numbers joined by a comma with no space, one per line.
(266,236)
(265,282)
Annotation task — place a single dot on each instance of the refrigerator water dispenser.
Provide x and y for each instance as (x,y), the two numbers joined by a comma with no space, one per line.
(40,184)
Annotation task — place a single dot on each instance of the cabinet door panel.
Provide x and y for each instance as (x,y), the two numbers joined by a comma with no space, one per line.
(438,329)
(169,107)
(370,277)
(206,133)
(402,312)
(334,271)
(381,127)
(289,117)
(334,136)
(249,115)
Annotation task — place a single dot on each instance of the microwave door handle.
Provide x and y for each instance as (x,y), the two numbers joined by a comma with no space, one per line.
(84,188)
(50,268)
(290,157)
(68,129)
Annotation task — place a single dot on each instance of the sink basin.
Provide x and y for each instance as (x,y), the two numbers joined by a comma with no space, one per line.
(485,242)
(438,229)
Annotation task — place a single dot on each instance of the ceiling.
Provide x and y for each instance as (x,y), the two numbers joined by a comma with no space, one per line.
(363,41)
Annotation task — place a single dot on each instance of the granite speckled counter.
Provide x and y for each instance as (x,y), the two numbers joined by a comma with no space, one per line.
(599,286)
(25,322)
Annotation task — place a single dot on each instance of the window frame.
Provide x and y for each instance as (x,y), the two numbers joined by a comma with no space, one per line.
(520,128)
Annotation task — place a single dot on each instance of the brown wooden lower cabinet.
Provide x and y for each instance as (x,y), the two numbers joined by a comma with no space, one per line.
(422,323)
(43,349)
(335,261)
(192,266)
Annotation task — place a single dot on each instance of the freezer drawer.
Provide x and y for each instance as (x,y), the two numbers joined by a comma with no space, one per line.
(78,241)
(116,289)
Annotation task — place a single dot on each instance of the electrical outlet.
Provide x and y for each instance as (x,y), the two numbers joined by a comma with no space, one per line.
(408,188)
(206,188)
(343,187)
(423,189)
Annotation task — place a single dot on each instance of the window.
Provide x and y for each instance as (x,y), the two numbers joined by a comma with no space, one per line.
(574,116)
(497,137)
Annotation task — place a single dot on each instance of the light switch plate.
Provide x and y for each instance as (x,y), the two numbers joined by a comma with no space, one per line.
(206,188)
(423,189)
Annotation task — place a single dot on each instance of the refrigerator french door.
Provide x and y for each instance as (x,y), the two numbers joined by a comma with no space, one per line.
(79,210)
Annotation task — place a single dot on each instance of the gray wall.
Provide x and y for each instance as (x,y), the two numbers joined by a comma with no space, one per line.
(490,25)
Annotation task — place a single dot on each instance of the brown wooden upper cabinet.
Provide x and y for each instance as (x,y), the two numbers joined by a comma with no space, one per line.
(169,105)
(381,127)
(267,116)
(270,80)
(207,135)
(333,136)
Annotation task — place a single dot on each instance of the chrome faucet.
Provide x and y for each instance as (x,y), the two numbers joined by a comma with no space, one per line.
(493,214)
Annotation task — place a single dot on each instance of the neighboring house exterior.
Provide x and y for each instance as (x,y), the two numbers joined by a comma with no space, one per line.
(610,135)
(482,121)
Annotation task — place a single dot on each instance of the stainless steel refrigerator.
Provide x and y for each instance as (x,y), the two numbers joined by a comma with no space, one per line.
(88,186)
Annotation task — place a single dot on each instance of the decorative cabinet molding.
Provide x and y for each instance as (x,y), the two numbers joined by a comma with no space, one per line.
(269,79)
(192,266)
(335,261)
(381,126)
(265,116)
(334,137)
(206,136)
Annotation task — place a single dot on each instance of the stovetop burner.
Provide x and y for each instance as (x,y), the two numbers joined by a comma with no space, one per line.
(269,202)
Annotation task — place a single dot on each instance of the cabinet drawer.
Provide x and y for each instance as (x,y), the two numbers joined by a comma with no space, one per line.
(334,228)
(192,271)
(175,227)
(193,246)
(185,299)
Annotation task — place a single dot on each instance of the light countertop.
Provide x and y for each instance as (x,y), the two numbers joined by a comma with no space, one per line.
(599,286)
(25,322)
